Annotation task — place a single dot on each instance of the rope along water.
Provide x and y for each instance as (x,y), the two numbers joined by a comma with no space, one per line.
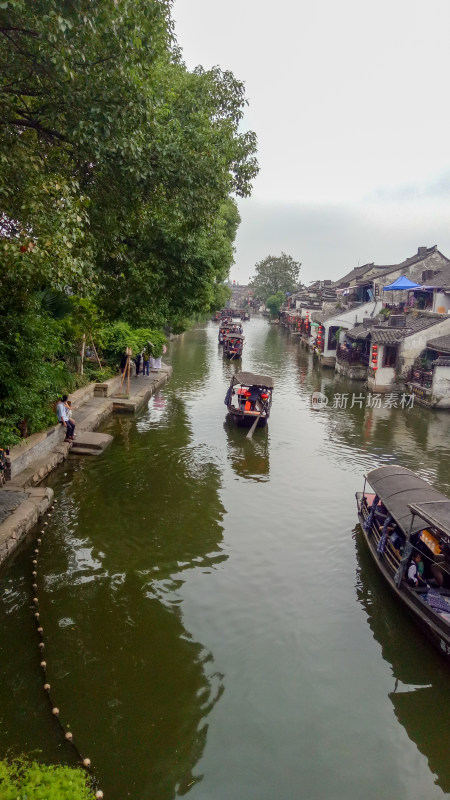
(68,735)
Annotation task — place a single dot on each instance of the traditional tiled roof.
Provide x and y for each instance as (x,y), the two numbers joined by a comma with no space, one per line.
(442,362)
(385,334)
(358,332)
(441,344)
(388,335)
(422,253)
(355,273)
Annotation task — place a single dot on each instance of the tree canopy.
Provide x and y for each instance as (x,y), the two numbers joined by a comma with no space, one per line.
(117,161)
(118,167)
(275,274)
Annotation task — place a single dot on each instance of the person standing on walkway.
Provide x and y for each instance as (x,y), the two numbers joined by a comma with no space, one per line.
(137,361)
(63,418)
(146,357)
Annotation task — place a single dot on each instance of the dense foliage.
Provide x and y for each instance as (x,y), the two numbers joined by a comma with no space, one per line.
(117,169)
(118,336)
(274,303)
(33,781)
(275,274)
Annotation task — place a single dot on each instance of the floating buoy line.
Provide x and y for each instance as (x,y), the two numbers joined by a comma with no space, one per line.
(68,735)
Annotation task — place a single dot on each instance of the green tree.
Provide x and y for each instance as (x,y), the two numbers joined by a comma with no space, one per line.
(117,166)
(275,274)
(118,161)
(274,303)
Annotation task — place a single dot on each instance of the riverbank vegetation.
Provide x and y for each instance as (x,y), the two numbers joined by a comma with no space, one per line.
(118,170)
(23,779)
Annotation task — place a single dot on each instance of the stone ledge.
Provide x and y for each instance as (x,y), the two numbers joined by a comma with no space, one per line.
(132,404)
(15,528)
(91,444)
(108,388)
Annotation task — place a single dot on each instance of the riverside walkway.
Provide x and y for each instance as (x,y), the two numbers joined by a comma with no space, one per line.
(23,499)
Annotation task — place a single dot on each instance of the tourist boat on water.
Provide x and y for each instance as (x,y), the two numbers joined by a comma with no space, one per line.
(228,328)
(249,397)
(224,330)
(402,517)
(233,344)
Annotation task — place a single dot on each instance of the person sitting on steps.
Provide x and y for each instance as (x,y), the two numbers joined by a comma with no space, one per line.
(64,419)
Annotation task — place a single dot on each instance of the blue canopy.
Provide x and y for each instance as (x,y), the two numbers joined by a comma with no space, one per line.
(402,283)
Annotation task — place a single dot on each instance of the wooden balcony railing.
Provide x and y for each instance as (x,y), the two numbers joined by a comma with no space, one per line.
(421,377)
(348,355)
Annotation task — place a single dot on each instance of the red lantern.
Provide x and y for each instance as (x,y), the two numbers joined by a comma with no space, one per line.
(374,357)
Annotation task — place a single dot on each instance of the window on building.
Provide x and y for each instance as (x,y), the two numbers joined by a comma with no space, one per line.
(389,355)
(426,275)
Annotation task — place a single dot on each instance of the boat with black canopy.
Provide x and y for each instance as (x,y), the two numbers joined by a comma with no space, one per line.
(249,398)
(406,526)
(233,344)
(227,328)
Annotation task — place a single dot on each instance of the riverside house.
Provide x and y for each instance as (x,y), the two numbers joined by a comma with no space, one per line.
(393,347)
(330,328)
(429,377)
(428,267)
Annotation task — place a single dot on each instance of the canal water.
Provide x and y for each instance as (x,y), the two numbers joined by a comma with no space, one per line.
(214,626)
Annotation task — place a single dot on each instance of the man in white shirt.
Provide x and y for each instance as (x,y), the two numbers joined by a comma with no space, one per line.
(63,417)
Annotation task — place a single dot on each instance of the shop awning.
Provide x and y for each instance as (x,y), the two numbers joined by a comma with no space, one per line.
(401,284)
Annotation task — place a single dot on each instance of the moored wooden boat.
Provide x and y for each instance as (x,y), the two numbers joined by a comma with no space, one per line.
(249,397)
(401,517)
(233,344)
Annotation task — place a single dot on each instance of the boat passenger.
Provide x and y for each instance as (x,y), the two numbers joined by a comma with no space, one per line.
(416,571)
(255,395)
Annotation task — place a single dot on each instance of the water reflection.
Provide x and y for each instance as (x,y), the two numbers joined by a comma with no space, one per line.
(365,437)
(133,684)
(421,681)
(249,459)
(154,593)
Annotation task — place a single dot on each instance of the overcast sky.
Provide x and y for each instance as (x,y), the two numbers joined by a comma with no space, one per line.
(349,101)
